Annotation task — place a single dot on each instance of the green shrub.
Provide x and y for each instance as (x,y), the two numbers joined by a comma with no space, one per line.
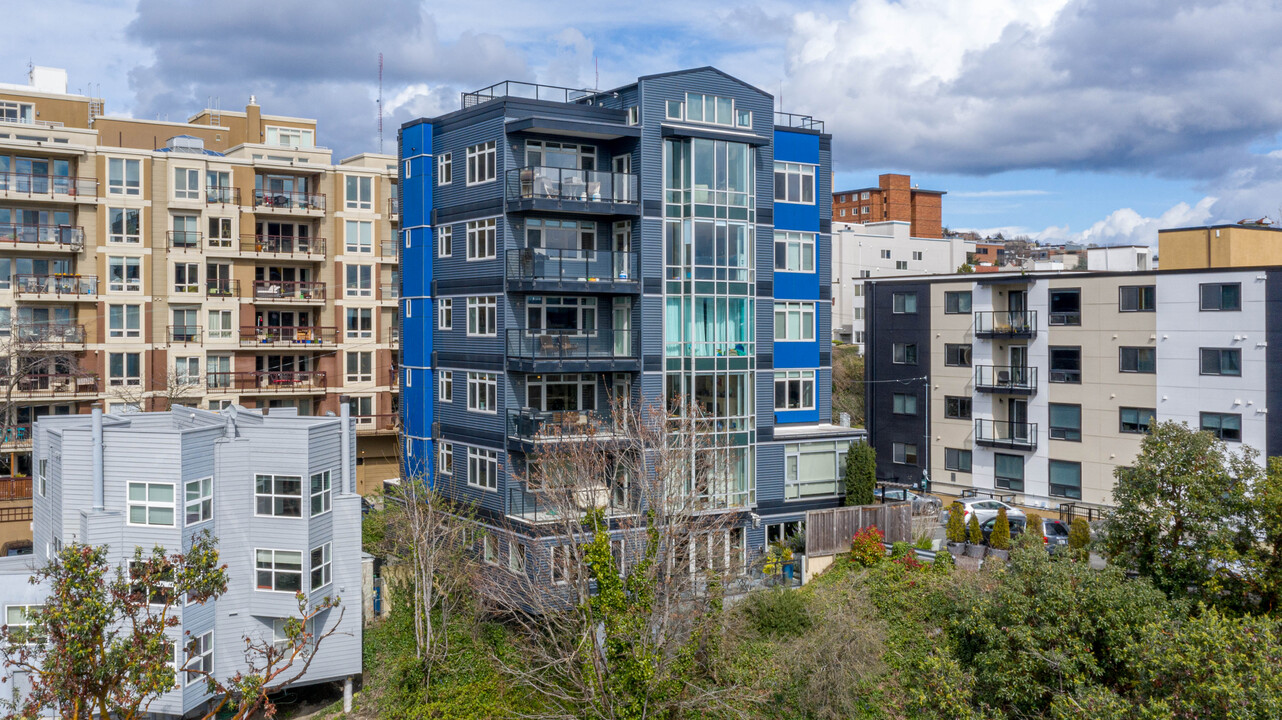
(1032,536)
(1000,537)
(943,562)
(956,532)
(866,547)
(777,612)
(901,549)
(924,543)
(973,534)
(1079,534)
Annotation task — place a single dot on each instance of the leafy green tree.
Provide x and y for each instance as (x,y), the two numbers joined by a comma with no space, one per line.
(1079,534)
(1000,537)
(848,384)
(974,535)
(861,474)
(956,531)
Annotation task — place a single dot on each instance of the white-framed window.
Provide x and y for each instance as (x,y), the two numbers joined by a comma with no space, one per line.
(794,183)
(360,367)
(445,318)
(444,241)
(187,371)
(360,322)
(359,236)
(885,254)
(445,168)
(794,251)
(483,468)
(124,274)
(151,503)
(634,115)
(186,277)
(124,226)
(124,369)
(186,183)
(43,485)
(124,176)
(445,458)
(481,163)
(21,620)
(359,192)
(296,138)
(482,392)
(917,255)
(124,321)
(219,327)
(901,264)
(322,566)
(278,496)
(516,558)
(199,500)
(482,316)
(17,112)
(200,657)
(218,188)
(703,108)
(794,321)
(360,280)
(446,386)
(814,470)
(480,239)
(322,493)
(279,570)
(794,390)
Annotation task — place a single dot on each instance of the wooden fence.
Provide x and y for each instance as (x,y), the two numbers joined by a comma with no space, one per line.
(828,532)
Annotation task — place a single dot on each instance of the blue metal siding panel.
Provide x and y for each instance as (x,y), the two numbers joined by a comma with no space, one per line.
(797,354)
(796,147)
(769,472)
(823,379)
(796,286)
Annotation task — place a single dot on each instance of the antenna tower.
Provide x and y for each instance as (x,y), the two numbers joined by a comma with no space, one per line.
(380,103)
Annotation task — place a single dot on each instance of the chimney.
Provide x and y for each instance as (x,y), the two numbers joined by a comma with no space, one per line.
(99,490)
(253,121)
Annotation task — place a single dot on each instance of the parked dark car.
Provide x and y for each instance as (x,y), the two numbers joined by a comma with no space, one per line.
(1054,532)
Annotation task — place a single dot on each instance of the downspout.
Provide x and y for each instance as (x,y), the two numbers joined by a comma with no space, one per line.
(99,492)
(345,417)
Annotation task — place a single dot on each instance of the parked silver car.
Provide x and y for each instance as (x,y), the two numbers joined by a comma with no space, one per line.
(984,509)
(922,504)
(1054,532)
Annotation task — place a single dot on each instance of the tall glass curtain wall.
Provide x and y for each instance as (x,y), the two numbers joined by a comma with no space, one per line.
(709,312)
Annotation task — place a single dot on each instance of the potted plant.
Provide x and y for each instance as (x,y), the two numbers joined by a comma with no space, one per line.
(999,540)
(956,530)
(974,538)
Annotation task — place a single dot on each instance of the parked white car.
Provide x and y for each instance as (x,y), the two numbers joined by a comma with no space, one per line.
(984,509)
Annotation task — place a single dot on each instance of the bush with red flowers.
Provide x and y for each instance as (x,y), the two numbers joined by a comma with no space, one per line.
(866,548)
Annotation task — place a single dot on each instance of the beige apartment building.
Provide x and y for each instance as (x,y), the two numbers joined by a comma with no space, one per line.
(226,259)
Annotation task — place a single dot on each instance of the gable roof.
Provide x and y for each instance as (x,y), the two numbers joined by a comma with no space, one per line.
(706,68)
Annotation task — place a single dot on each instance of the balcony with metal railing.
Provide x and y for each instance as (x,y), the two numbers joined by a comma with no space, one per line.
(299,337)
(585,271)
(273,382)
(289,291)
(222,195)
(57,238)
(528,425)
(55,287)
(1006,323)
(1011,380)
(185,333)
(54,384)
(184,239)
(534,508)
(286,202)
(394,209)
(553,189)
(1006,435)
(802,122)
(52,335)
(389,291)
(294,246)
(526,90)
(571,351)
(387,251)
(222,288)
(14,436)
(57,188)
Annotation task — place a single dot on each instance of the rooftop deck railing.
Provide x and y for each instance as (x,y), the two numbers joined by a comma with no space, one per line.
(527,90)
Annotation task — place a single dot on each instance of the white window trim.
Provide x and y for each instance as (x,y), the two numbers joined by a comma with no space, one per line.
(302,554)
(130,504)
(357,203)
(479,308)
(199,501)
(326,494)
(800,307)
(483,381)
(482,455)
(444,161)
(199,657)
(445,377)
(446,311)
(445,238)
(802,239)
(326,566)
(302,496)
(814,175)
(479,151)
(445,449)
(803,376)
(487,229)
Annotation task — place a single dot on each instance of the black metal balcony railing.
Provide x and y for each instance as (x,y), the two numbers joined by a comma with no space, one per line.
(283,244)
(569,344)
(532,91)
(288,200)
(56,383)
(48,237)
(560,266)
(184,239)
(553,183)
(793,120)
(49,333)
(185,333)
(1006,378)
(222,287)
(268,381)
(1006,323)
(291,335)
(56,285)
(222,195)
(36,184)
(1004,434)
(288,290)
(530,425)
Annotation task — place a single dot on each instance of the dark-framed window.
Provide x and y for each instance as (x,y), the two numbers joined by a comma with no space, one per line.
(1066,479)
(903,353)
(1066,422)
(957,302)
(1066,364)
(1225,426)
(1066,306)
(1136,420)
(957,459)
(905,404)
(903,303)
(1137,359)
(1220,296)
(1137,298)
(957,407)
(1221,361)
(957,355)
(904,453)
(1008,472)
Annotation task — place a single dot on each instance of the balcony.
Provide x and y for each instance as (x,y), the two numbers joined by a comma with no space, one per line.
(284,245)
(56,287)
(58,238)
(389,291)
(544,270)
(394,377)
(54,335)
(375,424)
(222,195)
(222,288)
(54,384)
(62,188)
(1006,324)
(1006,435)
(387,251)
(532,426)
(307,382)
(183,239)
(593,192)
(16,435)
(1006,379)
(185,333)
(289,291)
(285,202)
(310,337)
(571,351)
(394,209)
(533,508)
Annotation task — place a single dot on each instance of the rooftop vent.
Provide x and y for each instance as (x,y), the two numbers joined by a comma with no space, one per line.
(185,143)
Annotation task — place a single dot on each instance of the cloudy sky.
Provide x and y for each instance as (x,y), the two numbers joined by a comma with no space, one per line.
(1098,120)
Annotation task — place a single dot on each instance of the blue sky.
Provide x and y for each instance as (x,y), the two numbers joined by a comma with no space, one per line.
(1095,120)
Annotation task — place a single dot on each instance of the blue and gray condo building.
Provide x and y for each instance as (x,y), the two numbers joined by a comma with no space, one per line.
(566,250)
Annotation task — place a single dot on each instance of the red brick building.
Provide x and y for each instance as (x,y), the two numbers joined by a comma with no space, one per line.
(894,198)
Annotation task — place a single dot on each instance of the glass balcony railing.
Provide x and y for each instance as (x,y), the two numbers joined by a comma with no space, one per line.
(222,287)
(1006,323)
(56,285)
(267,381)
(533,507)
(561,266)
(286,290)
(185,333)
(288,200)
(531,425)
(56,384)
(283,244)
(222,195)
(1006,378)
(1004,434)
(49,333)
(553,183)
(569,344)
(50,237)
(290,335)
(37,184)
(184,239)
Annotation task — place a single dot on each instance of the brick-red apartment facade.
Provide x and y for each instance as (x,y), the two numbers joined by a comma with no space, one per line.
(894,198)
